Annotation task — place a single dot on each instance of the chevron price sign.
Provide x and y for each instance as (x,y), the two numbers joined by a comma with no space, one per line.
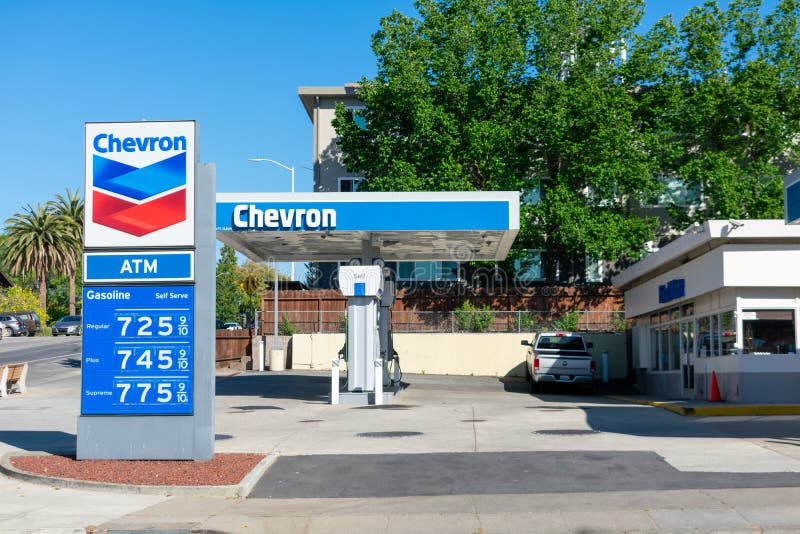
(140,184)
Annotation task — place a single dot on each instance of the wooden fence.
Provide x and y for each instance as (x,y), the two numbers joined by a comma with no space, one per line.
(431,309)
(234,348)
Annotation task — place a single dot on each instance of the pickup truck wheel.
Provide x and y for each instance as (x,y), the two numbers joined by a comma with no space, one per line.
(534,386)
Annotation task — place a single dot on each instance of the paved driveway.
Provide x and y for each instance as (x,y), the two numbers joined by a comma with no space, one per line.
(427,440)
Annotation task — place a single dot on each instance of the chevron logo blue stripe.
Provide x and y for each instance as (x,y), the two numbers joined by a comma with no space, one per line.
(139,183)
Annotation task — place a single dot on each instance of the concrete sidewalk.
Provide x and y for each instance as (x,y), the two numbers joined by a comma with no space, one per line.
(287,415)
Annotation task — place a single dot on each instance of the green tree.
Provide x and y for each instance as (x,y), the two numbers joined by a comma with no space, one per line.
(564,98)
(19,298)
(228,291)
(723,90)
(491,95)
(253,278)
(39,241)
(70,209)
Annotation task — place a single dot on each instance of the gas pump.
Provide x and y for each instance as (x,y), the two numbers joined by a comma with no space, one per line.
(363,287)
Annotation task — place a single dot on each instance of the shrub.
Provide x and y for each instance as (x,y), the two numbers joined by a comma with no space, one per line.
(568,322)
(285,327)
(524,321)
(472,319)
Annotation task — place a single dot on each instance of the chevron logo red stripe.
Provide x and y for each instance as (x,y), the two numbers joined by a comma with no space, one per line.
(139,219)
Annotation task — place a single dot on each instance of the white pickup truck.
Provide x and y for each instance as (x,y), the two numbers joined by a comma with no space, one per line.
(559,358)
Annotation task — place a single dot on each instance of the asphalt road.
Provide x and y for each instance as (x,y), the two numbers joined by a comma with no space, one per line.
(47,356)
(491,473)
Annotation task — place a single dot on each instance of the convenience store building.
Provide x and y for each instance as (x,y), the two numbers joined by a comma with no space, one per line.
(723,298)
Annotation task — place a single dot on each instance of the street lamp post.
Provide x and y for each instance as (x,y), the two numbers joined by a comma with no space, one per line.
(276,346)
(290,169)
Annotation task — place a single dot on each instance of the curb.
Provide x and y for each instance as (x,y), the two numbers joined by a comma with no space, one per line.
(716,411)
(240,490)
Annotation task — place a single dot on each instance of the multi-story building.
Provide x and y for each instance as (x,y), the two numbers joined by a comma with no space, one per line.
(330,175)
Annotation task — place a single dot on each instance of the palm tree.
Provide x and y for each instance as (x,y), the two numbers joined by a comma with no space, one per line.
(70,209)
(39,241)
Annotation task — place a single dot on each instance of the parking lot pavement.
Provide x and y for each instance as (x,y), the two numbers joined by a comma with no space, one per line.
(430,436)
(288,414)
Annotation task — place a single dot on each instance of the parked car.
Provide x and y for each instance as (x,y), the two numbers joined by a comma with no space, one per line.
(559,357)
(232,326)
(69,325)
(13,326)
(30,318)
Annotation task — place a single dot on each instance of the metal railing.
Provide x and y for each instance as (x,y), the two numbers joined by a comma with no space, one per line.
(306,322)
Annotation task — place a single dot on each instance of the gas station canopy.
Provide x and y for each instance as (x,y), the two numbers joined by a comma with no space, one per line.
(460,226)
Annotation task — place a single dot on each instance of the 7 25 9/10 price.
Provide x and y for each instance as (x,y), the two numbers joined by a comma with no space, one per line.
(140,392)
(158,326)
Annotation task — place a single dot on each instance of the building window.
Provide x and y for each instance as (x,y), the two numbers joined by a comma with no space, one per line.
(349,185)
(358,116)
(768,331)
(595,269)
(675,191)
(663,348)
(427,271)
(534,196)
(529,268)
(674,346)
(704,335)
(727,327)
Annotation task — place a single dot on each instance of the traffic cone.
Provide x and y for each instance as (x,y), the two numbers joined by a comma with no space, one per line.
(715,396)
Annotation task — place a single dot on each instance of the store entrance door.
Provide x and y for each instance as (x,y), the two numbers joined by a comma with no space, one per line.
(687,348)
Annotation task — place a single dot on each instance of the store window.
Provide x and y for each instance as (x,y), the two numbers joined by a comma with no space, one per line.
(663,349)
(714,338)
(654,363)
(674,346)
(727,327)
(768,331)
(704,335)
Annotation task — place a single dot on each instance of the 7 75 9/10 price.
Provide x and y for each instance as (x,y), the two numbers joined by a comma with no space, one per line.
(146,326)
(163,392)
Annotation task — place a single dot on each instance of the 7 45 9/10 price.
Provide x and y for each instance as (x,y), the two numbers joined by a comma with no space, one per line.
(163,392)
(158,326)
(141,358)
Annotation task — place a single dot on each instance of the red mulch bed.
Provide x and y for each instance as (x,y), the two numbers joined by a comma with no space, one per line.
(225,469)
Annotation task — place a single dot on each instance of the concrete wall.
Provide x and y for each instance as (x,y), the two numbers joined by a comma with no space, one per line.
(665,384)
(329,154)
(617,347)
(497,354)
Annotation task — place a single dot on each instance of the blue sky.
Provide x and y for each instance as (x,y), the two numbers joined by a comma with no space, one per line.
(234,66)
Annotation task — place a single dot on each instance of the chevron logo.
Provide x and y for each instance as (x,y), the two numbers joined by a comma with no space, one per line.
(139,201)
